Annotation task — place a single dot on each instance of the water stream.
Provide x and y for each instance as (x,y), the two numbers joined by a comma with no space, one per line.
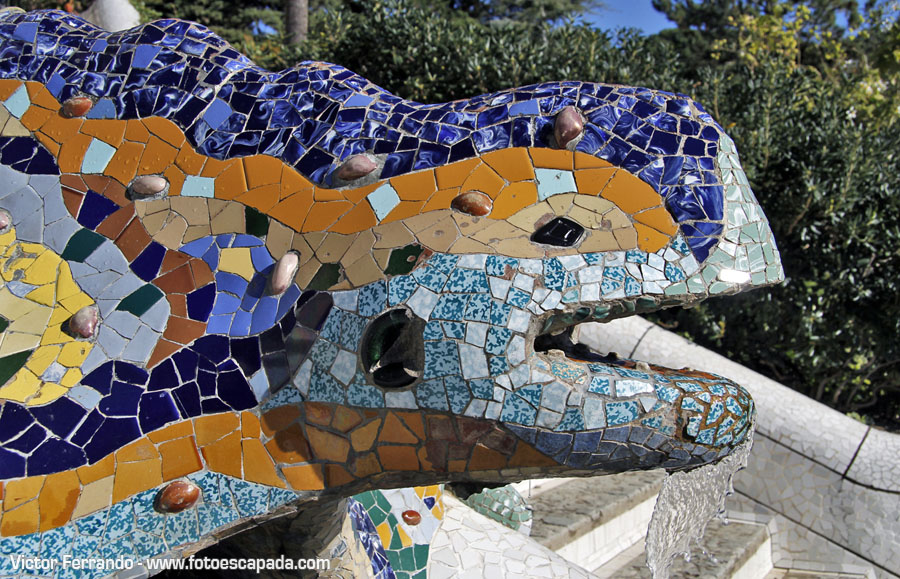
(687,501)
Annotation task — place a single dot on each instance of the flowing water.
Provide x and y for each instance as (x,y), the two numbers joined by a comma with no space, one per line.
(687,502)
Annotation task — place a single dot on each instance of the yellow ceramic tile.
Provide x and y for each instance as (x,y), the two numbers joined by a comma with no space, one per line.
(74,303)
(20,387)
(48,392)
(44,295)
(237,260)
(72,377)
(512,164)
(404,538)
(41,359)
(484,179)
(384,532)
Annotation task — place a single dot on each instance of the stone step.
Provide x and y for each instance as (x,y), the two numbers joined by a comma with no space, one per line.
(801,574)
(734,551)
(590,521)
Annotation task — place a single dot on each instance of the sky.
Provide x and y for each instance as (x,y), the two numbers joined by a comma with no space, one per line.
(629,13)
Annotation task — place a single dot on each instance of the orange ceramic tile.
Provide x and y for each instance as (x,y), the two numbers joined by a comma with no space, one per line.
(585,161)
(441,200)
(22,490)
(165,130)
(136,131)
(8,87)
(413,421)
(173,431)
(179,458)
(293,210)
(60,129)
(101,469)
(337,475)
(323,214)
(258,465)
(345,419)
(214,427)
(51,145)
(214,167)
(173,260)
(71,153)
(21,521)
(201,272)
(512,164)
(318,413)
(232,182)
(307,477)
(249,425)
(176,178)
(111,131)
(40,96)
(551,158)
(363,437)
(484,179)
(58,499)
(289,446)
(35,117)
(395,431)
(72,200)
(415,186)
(261,198)
(292,181)
(189,161)
(113,225)
(649,239)
(659,219)
(365,465)
(133,240)
(357,194)
(262,170)
(141,449)
(323,194)
(630,193)
(425,463)
(398,457)
(454,174)
(278,419)
(513,198)
(163,350)
(327,446)
(592,181)
(526,455)
(124,164)
(224,456)
(177,305)
(484,458)
(403,210)
(456,466)
(157,156)
(135,477)
(178,280)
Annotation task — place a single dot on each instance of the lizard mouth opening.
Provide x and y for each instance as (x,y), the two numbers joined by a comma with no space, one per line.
(560,333)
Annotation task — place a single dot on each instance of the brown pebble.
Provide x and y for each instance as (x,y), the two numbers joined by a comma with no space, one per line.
(84,322)
(148,186)
(411,517)
(177,496)
(284,271)
(76,107)
(355,167)
(473,203)
(568,126)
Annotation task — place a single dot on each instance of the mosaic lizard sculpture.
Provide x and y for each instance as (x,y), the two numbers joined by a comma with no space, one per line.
(226,290)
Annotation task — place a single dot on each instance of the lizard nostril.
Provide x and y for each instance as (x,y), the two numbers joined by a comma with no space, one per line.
(560,232)
(393,352)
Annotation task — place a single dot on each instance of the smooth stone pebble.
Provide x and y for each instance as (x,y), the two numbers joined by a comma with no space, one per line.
(148,185)
(568,126)
(177,496)
(84,322)
(76,107)
(5,219)
(473,203)
(411,517)
(284,271)
(356,166)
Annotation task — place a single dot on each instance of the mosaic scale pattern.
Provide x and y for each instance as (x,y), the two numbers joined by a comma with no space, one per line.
(301,285)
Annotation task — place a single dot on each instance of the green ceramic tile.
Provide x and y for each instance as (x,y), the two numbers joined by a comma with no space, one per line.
(327,276)
(402,260)
(257,223)
(11,364)
(141,300)
(82,245)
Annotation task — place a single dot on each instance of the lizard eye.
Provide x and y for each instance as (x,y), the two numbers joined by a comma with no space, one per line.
(560,232)
(392,352)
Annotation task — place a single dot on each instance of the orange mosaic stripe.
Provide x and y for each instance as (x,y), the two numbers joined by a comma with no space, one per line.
(157,146)
(307,447)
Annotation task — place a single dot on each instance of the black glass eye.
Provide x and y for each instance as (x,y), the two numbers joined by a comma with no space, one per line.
(393,351)
(560,232)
